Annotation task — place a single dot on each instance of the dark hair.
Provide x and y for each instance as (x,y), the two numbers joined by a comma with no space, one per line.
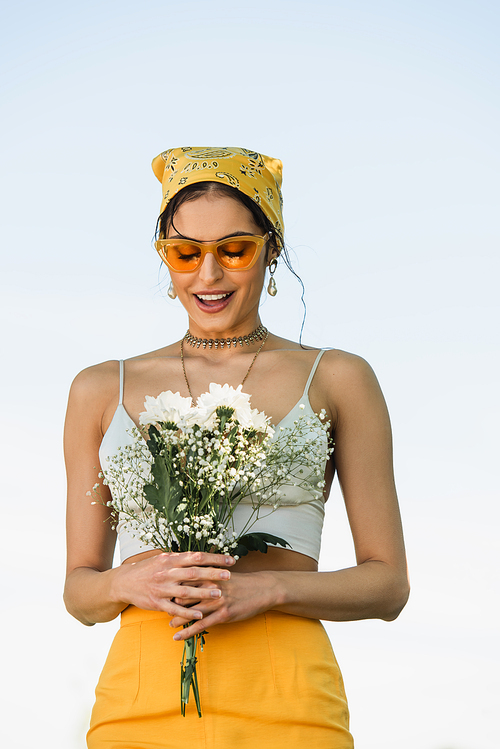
(194,191)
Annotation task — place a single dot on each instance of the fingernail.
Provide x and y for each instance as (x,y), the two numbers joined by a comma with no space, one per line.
(177,636)
(225,575)
(197,614)
(215,593)
(230,560)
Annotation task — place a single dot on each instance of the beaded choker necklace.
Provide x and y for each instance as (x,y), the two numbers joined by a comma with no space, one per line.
(257,335)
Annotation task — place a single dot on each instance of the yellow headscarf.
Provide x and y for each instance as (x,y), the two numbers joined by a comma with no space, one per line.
(252,173)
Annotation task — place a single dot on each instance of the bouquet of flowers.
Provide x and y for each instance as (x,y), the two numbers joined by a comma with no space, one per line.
(177,485)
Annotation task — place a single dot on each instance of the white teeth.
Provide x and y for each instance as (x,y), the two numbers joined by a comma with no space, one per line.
(211,297)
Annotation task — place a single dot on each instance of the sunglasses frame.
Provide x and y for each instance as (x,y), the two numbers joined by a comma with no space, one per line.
(206,247)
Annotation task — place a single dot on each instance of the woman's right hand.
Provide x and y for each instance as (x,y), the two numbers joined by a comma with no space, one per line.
(154,582)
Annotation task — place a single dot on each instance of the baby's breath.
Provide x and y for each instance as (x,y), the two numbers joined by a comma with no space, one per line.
(212,465)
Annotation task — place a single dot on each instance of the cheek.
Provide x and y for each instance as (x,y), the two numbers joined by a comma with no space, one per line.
(180,284)
(259,270)
(255,280)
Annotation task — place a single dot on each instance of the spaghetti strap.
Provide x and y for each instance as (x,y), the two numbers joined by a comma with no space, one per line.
(313,370)
(120,402)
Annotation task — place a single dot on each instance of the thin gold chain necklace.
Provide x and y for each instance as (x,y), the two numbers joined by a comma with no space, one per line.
(245,377)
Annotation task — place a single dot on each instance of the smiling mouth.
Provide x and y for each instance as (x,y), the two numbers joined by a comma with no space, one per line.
(206,298)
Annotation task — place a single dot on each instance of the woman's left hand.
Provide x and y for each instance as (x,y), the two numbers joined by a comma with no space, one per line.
(246,594)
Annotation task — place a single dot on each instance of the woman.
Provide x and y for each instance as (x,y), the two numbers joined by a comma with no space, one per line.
(267,676)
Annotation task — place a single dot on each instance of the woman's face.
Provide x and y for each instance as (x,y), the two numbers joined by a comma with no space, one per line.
(220,303)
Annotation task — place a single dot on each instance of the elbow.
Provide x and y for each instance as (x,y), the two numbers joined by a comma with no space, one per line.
(88,601)
(397,600)
(74,611)
(72,600)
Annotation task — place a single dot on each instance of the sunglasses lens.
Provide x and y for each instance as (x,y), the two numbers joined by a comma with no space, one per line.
(236,253)
(182,257)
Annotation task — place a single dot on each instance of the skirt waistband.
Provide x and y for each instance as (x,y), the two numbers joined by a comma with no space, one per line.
(134,615)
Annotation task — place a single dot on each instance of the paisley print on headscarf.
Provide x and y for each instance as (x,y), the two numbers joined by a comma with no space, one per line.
(254,174)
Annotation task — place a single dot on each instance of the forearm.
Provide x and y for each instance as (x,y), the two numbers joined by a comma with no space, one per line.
(372,590)
(90,595)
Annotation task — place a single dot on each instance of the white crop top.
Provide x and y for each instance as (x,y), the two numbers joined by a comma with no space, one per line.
(298,519)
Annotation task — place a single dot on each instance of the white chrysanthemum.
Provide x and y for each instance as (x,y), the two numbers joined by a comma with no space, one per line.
(260,422)
(168,406)
(224,395)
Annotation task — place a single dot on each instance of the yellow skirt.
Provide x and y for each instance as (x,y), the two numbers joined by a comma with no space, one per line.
(270,681)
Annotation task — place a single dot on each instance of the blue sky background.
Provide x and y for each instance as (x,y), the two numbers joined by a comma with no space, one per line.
(386,117)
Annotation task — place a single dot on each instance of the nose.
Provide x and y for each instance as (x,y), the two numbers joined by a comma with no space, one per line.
(210,270)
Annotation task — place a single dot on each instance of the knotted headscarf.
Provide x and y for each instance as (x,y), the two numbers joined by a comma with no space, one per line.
(252,173)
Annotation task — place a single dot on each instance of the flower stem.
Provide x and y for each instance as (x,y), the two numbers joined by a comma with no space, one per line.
(189,679)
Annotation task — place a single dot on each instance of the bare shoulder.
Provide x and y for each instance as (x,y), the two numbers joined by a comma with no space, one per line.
(172,350)
(347,378)
(346,368)
(97,387)
(277,343)
(94,386)
(91,393)
(102,379)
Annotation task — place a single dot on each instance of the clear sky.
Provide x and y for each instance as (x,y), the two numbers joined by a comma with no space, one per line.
(386,116)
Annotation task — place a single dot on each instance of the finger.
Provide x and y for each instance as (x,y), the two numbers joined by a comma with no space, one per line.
(198,559)
(193,575)
(186,596)
(206,585)
(188,604)
(206,607)
(184,615)
(198,626)
(174,610)
(178,621)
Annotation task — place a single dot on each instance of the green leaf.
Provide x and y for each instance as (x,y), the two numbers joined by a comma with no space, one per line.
(205,497)
(240,550)
(257,542)
(164,492)
(232,433)
(154,442)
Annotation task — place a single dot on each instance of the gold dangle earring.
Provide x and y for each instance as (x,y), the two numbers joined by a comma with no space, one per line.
(272,289)
(171,291)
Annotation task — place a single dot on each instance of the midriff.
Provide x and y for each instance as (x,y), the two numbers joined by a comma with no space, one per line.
(275,559)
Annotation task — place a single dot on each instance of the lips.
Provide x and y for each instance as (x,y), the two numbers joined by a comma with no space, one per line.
(213,301)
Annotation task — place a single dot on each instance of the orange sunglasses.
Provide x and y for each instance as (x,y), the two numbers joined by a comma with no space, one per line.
(233,253)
